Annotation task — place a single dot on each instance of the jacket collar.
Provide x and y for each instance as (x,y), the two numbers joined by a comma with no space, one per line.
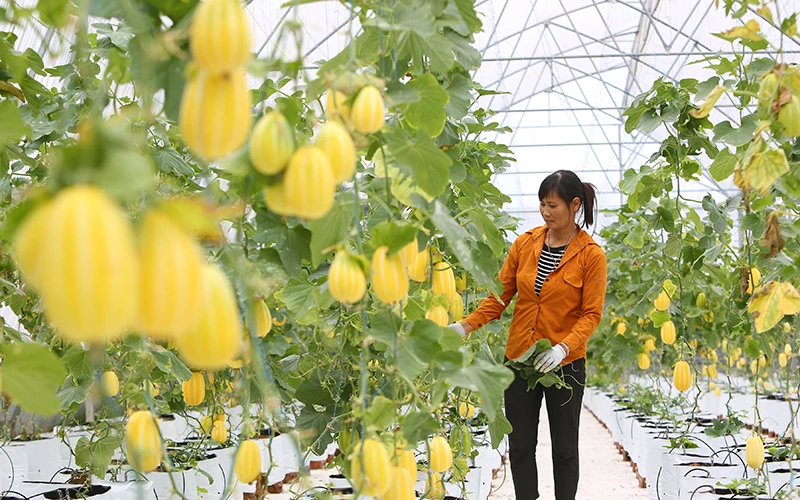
(581,240)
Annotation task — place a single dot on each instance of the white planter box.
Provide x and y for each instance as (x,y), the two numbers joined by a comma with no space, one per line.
(13,466)
(44,458)
(185,485)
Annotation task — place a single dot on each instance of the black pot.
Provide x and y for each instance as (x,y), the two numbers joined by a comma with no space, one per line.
(76,492)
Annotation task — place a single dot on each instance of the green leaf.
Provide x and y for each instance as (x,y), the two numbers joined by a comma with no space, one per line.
(312,392)
(489,230)
(298,295)
(78,361)
(418,425)
(171,162)
(331,229)
(125,174)
(752,349)
(292,244)
(385,326)
(380,413)
(724,131)
(490,379)
(437,48)
(723,165)
(430,166)
(31,375)
(466,54)
(635,238)
(764,169)
(392,234)
(469,15)
(168,362)
(71,392)
(12,128)
(54,12)
(103,450)
(400,93)
(312,424)
(119,37)
(498,428)
(460,98)
(427,113)
(659,318)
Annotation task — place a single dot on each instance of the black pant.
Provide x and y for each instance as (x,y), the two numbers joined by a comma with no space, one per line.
(564,411)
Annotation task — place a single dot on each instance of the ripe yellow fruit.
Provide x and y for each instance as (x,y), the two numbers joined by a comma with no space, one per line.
(219,432)
(367,113)
(220,36)
(308,184)
(420,266)
(109,384)
(668,332)
(437,314)
(712,371)
(717,391)
(90,281)
(334,140)
(754,451)
(443,281)
(789,116)
(643,360)
(650,345)
(434,487)
(753,279)
(461,282)
(389,278)
(621,328)
(262,319)
(142,442)
(170,292)
(30,243)
(709,316)
(218,335)
(441,454)
(466,410)
(336,107)
(407,461)
(206,423)
(766,91)
(456,307)
(194,389)
(740,362)
(787,328)
(272,143)
(787,348)
(275,198)
(682,377)
(216,113)
(402,486)
(248,461)
(370,469)
(409,253)
(662,301)
(346,279)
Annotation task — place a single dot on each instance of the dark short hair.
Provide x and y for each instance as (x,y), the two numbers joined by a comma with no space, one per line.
(568,186)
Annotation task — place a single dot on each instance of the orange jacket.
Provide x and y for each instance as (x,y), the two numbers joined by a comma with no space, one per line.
(569,306)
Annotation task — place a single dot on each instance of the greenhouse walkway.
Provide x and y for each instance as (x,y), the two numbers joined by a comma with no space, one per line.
(603,472)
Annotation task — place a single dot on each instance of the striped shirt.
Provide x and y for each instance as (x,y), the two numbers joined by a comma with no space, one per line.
(548,262)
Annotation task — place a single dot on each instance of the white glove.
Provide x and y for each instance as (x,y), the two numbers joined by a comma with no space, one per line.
(458,328)
(549,359)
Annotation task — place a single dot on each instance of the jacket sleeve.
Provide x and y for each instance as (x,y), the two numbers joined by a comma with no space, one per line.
(491,309)
(594,295)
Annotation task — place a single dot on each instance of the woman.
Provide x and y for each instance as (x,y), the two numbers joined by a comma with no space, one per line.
(560,275)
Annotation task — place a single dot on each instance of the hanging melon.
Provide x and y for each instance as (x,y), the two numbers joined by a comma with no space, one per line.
(441,454)
(220,36)
(109,384)
(334,140)
(271,143)
(346,279)
(443,281)
(370,469)
(668,332)
(367,113)
(194,389)
(437,314)
(142,442)
(248,461)
(682,376)
(389,278)
(31,243)
(308,184)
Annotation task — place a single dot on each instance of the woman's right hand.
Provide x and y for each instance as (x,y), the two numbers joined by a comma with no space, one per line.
(463,328)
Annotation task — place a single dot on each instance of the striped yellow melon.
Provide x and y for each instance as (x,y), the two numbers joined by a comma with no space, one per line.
(389,278)
(216,113)
(407,461)
(272,143)
(409,253)
(441,454)
(789,116)
(443,281)
(662,301)
(171,291)
(419,268)
(142,442)
(370,469)
(402,486)
(367,113)
(437,314)
(194,389)
(682,376)
(621,328)
(219,432)
(90,284)
(712,371)
(643,360)
(754,451)
(262,319)
(461,282)
(334,140)
(109,384)
(456,307)
(248,461)
(434,487)
(668,332)
(466,410)
(220,36)
(782,360)
(346,279)
(650,345)
(218,335)
(336,107)
(31,243)
(308,184)
(275,198)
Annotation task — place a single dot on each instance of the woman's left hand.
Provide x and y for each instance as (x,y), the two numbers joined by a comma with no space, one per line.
(549,359)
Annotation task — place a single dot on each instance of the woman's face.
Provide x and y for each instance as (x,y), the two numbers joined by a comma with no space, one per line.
(557,214)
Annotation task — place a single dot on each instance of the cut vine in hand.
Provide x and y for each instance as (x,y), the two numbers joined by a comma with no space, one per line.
(524,365)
